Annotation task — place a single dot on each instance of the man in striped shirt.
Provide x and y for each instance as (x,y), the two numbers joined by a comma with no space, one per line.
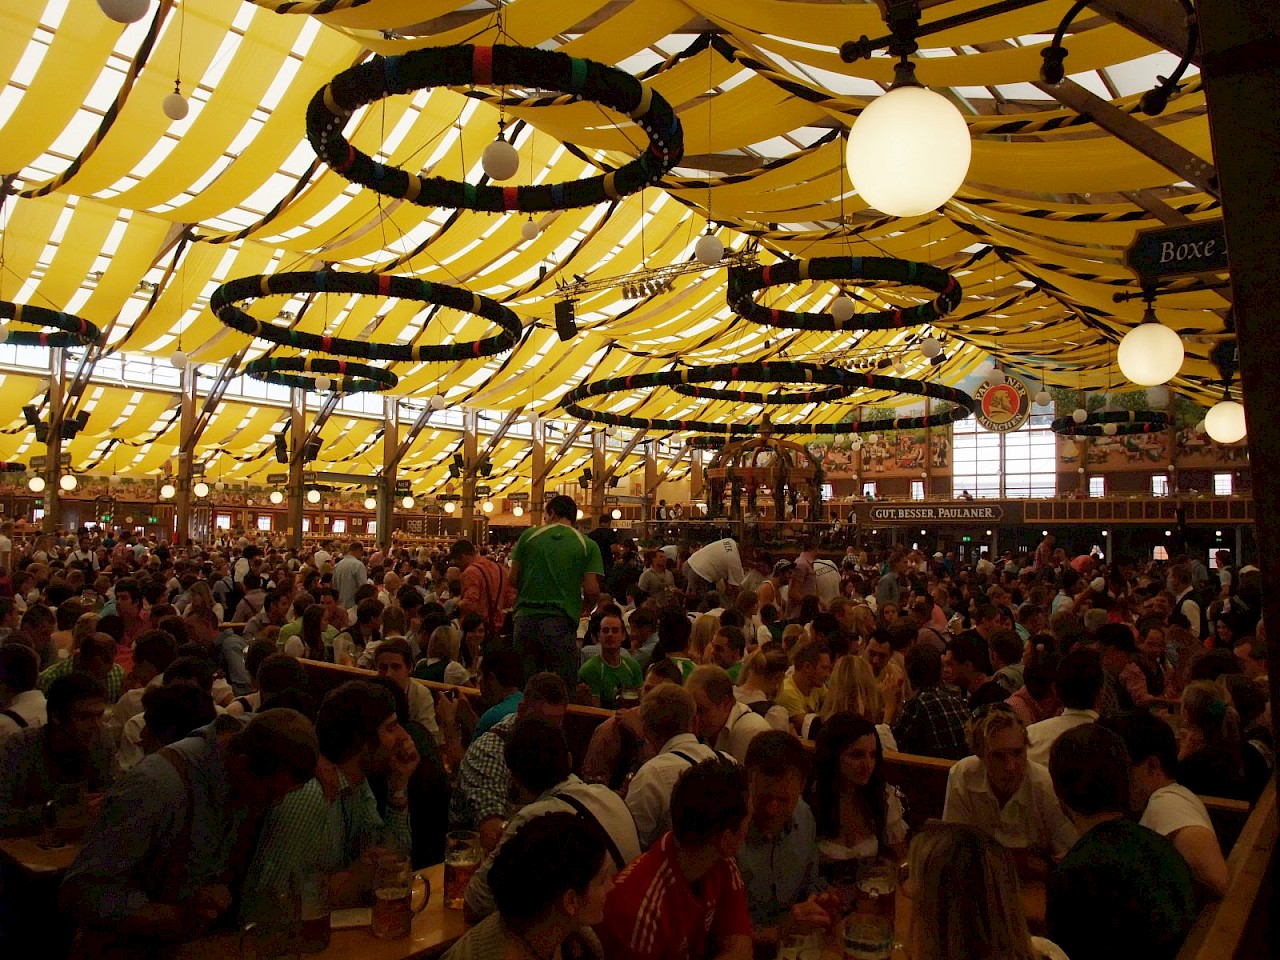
(684,899)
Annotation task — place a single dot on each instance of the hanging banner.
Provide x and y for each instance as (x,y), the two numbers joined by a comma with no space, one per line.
(1003,407)
(1002,511)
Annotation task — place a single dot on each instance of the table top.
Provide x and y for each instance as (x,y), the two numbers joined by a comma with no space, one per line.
(434,930)
(36,857)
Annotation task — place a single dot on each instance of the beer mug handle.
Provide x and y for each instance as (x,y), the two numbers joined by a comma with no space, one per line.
(426,891)
(245,931)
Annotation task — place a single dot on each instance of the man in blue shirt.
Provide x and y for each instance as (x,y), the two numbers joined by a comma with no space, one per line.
(778,858)
(501,675)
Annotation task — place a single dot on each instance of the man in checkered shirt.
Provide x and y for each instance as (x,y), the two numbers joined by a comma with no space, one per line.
(932,722)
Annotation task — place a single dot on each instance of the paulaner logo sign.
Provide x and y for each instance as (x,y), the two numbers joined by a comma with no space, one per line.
(938,514)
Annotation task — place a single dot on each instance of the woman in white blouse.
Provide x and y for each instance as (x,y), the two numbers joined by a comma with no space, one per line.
(858,814)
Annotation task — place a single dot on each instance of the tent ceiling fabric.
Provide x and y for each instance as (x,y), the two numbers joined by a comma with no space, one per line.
(101,210)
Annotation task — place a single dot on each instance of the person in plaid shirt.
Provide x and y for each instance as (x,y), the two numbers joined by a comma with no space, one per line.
(480,799)
(95,657)
(932,723)
(327,824)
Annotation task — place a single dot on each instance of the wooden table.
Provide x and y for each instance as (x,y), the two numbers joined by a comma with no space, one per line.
(434,930)
(35,860)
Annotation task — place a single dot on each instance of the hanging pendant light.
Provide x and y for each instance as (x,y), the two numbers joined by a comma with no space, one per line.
(500,160)
(276,497)
(175,105)
(930,348)
(124,11)
(450,507)
(1079,414)
(1225,421)
(529,230)
(709,250)
(1150,354)
(201,489)
(909,150)
(167,491)
(842,309)
(36,484)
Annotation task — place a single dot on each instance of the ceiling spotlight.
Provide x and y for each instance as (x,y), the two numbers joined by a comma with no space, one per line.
(276,497)
(313,495)
(450,507)
(167,491)
(407,503)
(201,489)
(370,503)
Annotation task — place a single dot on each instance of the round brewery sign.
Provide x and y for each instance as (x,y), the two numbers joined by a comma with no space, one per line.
(1004,406)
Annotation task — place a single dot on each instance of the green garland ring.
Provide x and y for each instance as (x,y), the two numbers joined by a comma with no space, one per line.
(766,372)
(460,65)
(744,282)
(825,395)
(348,376)
(73,331)
(1127,423)
(223,301)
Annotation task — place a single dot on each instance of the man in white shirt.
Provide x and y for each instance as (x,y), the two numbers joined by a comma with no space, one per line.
(1169,808)
(716,561)
(720,718)
(667,715)
(21,702)
(1079,685)
(1184,602)
(537,757)
(6,546)
(1012,799)
(349,575)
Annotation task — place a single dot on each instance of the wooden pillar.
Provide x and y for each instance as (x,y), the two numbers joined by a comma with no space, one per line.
(599,482)
(1242,91)
(297,437)
(187,416)
(538,468)
(650,478)
(697,483)
(53,443)
(386,510)
(470,460)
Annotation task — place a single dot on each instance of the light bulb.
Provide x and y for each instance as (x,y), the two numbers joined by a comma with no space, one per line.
(709,250)
(277,496)
(323,383)
(930,348)
(908,152)
(407,503)
(1150,354)
(113,480)
(179,359)
(313,495)
(500,160)
(1043,398)
(842,309)
(175,106)
(167,491)
(1079,415)
(201,489)
(517,511)
(370,503)
(529,230)
(450,507)
(124,11)
(487,506)
(36,484)
(616,513)
(1225,422)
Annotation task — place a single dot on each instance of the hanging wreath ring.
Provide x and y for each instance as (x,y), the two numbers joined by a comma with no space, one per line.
(345,376)
(780,397)
(72,331)
(1125,422)
(461,65)
(12,466)
(746,281)
(224,300)
(789,372)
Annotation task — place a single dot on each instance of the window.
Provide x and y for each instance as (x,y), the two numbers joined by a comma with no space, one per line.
(828,492)
(1097,486)
(306,524)
(222,521)
(917,489)
(1020,463)
(1160,485)
(1223,484)
(264,521)
(1160,553)
(340,525)
(869,489)
(37,514)
(372,528)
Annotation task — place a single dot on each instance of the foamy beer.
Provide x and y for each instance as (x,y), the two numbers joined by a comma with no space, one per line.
(462,855)
(393,909)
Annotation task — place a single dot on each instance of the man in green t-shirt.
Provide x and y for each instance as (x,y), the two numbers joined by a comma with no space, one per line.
(554,568)
(610,671)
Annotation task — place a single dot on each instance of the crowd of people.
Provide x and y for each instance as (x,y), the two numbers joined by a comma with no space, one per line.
(155,697)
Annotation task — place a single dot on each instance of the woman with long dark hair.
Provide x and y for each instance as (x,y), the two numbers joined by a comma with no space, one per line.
(309,642)
(858,814)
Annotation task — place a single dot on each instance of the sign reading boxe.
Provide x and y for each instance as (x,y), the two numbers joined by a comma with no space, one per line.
(889,514)
(1186,250)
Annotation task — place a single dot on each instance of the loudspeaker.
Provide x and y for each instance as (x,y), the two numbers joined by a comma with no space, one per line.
(311,451)
(566,324)
(282,448)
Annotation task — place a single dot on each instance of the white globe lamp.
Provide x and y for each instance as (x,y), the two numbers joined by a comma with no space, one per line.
(125,11)
(616,513)
(201,489)
(407,503)
(842,309)
(909,150)
(167,491)
(517,511)
(450,507)
(313,495)
(68,482)
(1150,354)
(1225,422)
(709,250)
(1109,429)
(930,348)
(323,383)
(179,359)
(500,160)
(175,106)
(529,230)
(487,506)
(370,503)
(1079,414)
(900,368)
(276,497)
(438,402)
(36,484)
(1043,398)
